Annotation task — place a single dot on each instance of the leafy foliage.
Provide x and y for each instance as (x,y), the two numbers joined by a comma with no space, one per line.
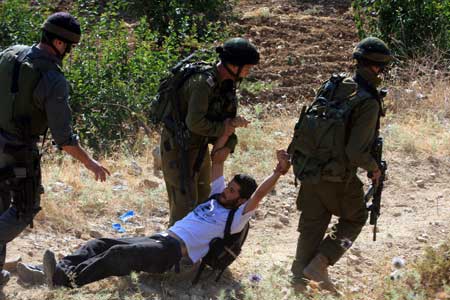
(409,26)
(115,70)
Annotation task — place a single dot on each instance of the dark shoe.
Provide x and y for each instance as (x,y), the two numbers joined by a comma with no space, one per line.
(49,266)
(4,278)
(317,270)
(30,274)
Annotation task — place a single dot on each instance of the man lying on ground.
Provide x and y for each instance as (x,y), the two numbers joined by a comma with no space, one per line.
(189,237)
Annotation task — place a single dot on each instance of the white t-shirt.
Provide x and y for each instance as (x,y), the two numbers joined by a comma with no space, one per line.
(207,221)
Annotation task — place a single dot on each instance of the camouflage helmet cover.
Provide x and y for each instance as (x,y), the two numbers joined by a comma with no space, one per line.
(239,52)
(64,26)
(374,50)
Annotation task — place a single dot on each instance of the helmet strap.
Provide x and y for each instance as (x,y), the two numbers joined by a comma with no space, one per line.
(234,75)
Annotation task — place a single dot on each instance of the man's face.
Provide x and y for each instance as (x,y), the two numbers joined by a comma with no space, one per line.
(244,71)
(230,197)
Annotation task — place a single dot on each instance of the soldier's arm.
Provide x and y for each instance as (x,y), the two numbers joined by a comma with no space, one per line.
(269,183)
(362,132)
(51,94)
(198,91)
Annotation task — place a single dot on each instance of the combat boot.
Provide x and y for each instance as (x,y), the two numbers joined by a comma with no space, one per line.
(317,270)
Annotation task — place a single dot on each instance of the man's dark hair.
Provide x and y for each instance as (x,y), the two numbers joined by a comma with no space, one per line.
(247,185)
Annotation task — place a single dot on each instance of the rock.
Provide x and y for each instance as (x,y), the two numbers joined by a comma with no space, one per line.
(277,225)
(117,175)
(433,176)
(78,234)
(271,213)
(355,289)
(85,236)
(149,184)
(353,258)
(356,251)
(423,238)
(11,264)
(259,215)
(139,230)
(119,187)
(95,234)
(30,253)
(397,214)
(420,183)
(442,295)
(284,220)
(134,169)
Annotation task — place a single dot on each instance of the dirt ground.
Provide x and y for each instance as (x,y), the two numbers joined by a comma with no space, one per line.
(301,43)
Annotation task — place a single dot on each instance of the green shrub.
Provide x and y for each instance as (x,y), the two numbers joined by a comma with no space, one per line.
(115,70)
(411,27)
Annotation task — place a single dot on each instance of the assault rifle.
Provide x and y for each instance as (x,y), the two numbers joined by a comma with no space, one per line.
(374,192)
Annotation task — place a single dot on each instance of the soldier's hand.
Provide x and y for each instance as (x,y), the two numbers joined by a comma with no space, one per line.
(229,128)
(99,171)
(375,176)
(239,122)
(283,161)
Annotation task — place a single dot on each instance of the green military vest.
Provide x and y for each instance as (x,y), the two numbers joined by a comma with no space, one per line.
(19,109)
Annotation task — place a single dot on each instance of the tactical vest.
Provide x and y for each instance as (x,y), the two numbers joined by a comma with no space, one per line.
(20,73)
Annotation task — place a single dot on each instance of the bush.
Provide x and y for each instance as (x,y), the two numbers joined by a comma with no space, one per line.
(114,71)
(411,27)
(176,15)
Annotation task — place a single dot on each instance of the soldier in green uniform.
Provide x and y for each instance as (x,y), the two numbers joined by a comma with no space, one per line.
(343,198)
(33,97)
(207,107)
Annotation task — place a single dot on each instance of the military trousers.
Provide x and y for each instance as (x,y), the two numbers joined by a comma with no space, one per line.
(317,203)
(10,225)
(184,192)
(101,258)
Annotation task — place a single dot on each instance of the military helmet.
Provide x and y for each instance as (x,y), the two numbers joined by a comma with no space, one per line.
(373,50)
(239,52)
(64,26)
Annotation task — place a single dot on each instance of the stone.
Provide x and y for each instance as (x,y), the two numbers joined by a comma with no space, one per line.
(95,234)
(277,225)
(420,183)
(422,238)
(397,214)
(284,220)
(139,230)
(149,184)
(134,169)
(11,264)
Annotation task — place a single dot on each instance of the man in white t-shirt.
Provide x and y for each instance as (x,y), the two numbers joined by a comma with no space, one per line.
(189,237)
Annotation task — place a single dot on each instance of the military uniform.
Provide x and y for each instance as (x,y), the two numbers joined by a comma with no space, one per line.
(204,104)
(49,98)
(345,199)
(33,96)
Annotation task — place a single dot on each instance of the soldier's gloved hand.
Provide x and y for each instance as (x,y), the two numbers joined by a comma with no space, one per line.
(229,128)
(239,122)
(96,168)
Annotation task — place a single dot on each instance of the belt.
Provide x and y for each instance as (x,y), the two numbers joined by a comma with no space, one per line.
(183,248)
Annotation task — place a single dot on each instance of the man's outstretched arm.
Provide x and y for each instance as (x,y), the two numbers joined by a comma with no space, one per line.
(268,184)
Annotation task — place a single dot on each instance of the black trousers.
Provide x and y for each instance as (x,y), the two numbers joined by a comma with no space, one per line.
(101,258)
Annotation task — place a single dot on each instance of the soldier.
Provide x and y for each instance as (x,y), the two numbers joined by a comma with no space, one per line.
(34,96)
(205,101)
(341,196)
